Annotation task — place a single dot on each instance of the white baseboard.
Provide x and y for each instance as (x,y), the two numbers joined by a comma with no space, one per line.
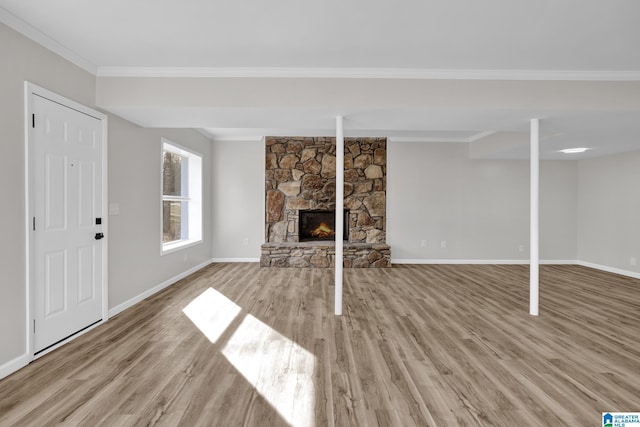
(558,261)
(218,260)
(456,261)
(146,294)
(614,270)
(610,269)
(478,261)
(13,365)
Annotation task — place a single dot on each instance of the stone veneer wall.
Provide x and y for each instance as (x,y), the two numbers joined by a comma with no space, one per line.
(300,174)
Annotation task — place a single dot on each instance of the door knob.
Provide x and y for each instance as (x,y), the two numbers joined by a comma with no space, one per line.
(99,236)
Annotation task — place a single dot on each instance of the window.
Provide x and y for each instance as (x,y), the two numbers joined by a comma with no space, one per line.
(181,197)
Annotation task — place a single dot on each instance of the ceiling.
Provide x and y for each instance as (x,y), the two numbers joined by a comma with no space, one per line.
(461,39)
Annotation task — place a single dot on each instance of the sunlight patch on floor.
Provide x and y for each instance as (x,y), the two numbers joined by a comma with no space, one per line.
(212,313)
(279,369)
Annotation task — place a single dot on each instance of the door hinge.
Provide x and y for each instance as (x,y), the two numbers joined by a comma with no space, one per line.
(34,326)
(33,120)
(34,223)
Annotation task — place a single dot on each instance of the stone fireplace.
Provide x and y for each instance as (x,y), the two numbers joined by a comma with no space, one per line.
(300,188)
(319,224)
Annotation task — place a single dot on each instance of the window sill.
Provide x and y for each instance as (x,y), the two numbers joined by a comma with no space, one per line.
(168,248)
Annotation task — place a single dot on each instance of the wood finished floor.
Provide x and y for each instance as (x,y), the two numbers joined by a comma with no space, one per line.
(430,345)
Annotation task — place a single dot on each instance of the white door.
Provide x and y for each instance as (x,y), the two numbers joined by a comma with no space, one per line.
(67,221)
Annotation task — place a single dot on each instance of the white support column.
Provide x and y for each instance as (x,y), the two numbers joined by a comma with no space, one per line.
(339,213)
(534,266)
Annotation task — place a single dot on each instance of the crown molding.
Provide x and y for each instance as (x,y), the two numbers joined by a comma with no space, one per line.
(253,136)
(480,135)
(44,40)
(421,139)
(212,137)
(248,138)
(463,140)
(367,73)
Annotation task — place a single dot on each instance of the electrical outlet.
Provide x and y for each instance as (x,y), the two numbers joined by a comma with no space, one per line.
(521,248)
(443,244)
(423,243)
(246,241)
(633,261)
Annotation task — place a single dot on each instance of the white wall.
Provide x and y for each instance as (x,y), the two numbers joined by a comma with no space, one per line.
(23,60)
(135,263)
(238,199)
(609,211)
(479,207)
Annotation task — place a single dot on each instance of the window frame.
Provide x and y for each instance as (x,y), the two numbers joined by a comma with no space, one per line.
(194,215)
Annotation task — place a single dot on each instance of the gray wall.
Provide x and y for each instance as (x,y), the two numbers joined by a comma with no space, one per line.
(135,263)
(479,207)
(23,60)
(589,209)
(609,211)
(238,199)
(215,94)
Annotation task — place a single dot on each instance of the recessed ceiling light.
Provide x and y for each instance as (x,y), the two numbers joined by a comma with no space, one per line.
(574,150)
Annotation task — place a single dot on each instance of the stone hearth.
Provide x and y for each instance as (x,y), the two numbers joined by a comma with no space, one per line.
(300,175)
(322,255)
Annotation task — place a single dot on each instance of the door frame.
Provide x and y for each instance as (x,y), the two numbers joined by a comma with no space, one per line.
(31,90)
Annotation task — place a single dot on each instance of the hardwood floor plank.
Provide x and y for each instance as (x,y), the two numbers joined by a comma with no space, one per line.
(418,345)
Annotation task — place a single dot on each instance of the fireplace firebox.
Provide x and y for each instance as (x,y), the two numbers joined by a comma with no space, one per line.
(320,225)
